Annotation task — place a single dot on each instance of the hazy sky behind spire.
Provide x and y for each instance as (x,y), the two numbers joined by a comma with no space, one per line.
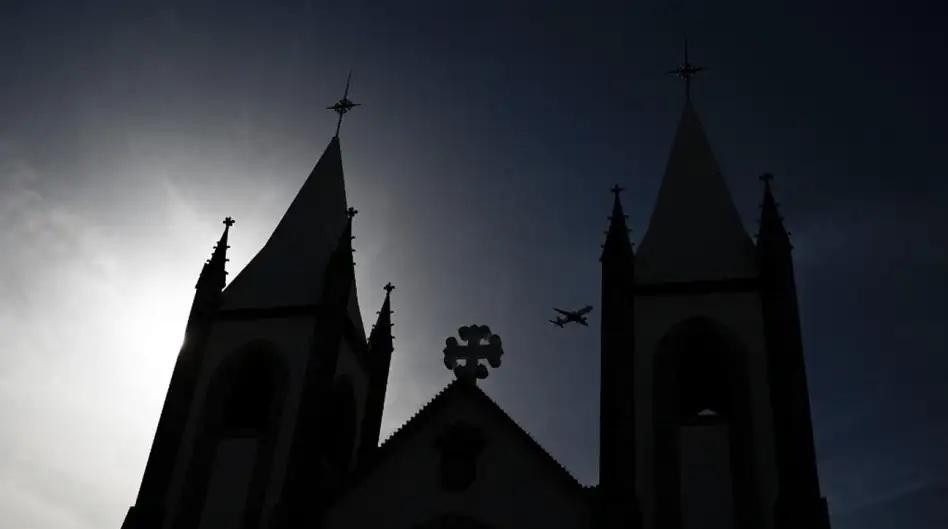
(480,164)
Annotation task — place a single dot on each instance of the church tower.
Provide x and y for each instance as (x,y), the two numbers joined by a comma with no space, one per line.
(276,395)
(617,457)
(704,389)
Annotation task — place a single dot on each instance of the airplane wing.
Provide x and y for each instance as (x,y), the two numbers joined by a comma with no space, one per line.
(584,310)
(561,311)
(583,323)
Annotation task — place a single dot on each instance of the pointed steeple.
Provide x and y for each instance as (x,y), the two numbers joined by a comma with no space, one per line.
(695,232)
(772,233)
(288,270)
(617,442)
(214,273)
(210,283)
(339,286)
(379,360)
(339,276)
(617,237)
(380,339)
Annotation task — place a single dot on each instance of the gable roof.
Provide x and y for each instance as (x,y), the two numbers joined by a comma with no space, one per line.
(423,416)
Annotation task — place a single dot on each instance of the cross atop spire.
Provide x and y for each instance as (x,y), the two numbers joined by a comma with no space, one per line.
(686,71)
(616,189)
(343,105)
(351,212)
(389,287)
(220,250)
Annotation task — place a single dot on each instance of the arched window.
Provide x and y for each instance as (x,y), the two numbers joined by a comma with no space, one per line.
(235,441)
(703,445)
(250,386)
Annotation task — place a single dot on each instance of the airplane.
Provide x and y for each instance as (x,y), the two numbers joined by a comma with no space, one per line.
(577,316)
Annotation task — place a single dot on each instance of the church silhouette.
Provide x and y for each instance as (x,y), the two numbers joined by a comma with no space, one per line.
(274,409)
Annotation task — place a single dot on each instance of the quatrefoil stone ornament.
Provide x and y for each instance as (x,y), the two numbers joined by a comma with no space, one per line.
(465,359)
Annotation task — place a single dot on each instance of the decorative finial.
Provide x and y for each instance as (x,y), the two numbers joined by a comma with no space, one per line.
(343,105)
(686,71)
(389,287)
(351,212)
(229,221)
(616,189)
(472,352)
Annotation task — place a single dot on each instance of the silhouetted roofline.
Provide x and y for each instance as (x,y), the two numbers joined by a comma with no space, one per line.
(415,424)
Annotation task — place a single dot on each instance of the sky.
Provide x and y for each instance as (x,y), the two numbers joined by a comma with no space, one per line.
(480,162)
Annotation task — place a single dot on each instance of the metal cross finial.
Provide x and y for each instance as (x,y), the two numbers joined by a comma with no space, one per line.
(343,105)
(389,287)
(472,353)
(229,221)
(616,189)
(686,71)
(351,212)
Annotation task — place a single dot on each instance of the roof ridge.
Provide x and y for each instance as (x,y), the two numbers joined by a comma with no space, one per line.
(415,415)
(411,423)
(533,440)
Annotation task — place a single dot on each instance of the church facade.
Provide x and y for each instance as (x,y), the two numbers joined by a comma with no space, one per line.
(273,413)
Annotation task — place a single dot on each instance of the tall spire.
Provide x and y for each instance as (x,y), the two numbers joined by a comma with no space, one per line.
(339,274)
(617,237)
(347,237)
(379,360)
(213,273)
(207,294)
(695,232)
(289,269)
(772,230)
(800,503)
(381,339)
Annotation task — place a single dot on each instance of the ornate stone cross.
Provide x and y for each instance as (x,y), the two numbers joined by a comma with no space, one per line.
(472,352)
(344,105)
(686,71)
